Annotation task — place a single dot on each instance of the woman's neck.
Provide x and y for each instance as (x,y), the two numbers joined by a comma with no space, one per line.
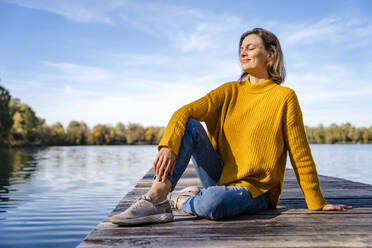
(255,78)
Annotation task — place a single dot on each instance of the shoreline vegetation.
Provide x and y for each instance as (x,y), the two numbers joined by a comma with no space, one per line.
(20,127)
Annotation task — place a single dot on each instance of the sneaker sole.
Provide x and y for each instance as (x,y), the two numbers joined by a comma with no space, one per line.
(156,218)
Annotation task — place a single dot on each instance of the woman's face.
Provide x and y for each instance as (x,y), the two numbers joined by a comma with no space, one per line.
(253,55)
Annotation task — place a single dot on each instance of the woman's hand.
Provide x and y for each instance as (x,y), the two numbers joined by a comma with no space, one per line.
(164,163)
(336,207)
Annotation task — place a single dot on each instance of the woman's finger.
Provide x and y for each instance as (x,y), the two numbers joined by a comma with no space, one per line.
(155,162)
(346,206)
(337,207)
(167,170)
(161,168)
(158,165)
(341,207)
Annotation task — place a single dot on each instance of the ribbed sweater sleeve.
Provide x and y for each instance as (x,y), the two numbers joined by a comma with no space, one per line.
(300,155)
(201,110)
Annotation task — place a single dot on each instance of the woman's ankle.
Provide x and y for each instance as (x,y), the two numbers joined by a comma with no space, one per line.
(156,198)
(159,191)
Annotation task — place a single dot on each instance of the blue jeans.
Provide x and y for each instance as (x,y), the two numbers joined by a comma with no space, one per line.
(213,202)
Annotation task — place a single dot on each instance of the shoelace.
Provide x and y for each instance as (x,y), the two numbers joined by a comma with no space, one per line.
(139,203)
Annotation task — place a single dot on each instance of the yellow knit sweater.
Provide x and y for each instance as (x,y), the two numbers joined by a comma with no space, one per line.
(251,127)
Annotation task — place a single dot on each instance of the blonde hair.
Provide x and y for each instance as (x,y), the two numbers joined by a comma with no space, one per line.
(275,68)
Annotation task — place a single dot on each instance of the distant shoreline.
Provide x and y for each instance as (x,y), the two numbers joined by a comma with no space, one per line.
(21,127)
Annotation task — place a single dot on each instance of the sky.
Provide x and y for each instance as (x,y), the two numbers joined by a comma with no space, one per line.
(111,61)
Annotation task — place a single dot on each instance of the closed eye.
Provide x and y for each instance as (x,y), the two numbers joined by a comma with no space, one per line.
(249,47)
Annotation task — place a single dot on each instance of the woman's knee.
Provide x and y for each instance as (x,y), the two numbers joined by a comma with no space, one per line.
(193,125)
(212,203)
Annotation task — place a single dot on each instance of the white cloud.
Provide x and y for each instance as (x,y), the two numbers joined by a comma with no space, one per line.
(330,30)
(192,42)
(68,92)
(339,115)
(195,69)
(337,95)
(79,11)
(135,60)
(209,34)
(203,54)
(153,108)
(79,73)
(190,30)
(330,83)
(198,30)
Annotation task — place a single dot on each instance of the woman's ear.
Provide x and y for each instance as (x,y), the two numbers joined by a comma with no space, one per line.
(270,57)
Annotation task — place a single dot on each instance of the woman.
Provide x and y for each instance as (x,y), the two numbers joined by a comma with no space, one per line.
(251,123)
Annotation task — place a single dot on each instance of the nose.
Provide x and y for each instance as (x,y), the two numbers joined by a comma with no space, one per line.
(243,52)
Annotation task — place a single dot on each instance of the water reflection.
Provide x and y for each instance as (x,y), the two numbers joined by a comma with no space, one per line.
(351,162)
(16,166)
(53,197)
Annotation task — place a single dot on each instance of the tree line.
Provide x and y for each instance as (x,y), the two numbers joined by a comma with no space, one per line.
(20,126)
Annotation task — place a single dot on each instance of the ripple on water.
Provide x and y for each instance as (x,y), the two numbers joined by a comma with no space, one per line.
(54,197)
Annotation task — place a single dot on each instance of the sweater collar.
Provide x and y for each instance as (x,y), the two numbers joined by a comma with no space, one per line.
(259,87)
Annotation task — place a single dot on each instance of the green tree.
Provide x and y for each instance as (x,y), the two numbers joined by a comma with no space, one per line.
(109,135)
(160,134)
(26,125)
(6,120)
(319,134)
(77,133)
(31,122)
(100,135)
(333,134)
(366,136)
(135,134)
(345,130)
(152,135)
(120,133)
(14,105)
(357,136)
(17,135)
(370,134)
(43,134)
(351,135)
(58,135)
(309,134)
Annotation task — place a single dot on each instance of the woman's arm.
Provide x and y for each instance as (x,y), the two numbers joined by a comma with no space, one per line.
(201,110)
(301,158)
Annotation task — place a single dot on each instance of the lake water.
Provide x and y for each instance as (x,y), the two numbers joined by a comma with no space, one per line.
(53,197)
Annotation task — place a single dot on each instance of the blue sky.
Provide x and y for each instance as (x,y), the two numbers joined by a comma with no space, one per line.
(139,61)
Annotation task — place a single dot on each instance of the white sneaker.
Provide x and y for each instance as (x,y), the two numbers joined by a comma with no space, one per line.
(173,196)
(144,211)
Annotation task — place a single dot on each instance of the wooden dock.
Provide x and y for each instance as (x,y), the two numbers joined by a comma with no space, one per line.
(293,226)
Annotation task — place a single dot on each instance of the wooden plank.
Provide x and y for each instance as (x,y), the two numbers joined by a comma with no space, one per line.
(239,242)
(273,220)
(293,226)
